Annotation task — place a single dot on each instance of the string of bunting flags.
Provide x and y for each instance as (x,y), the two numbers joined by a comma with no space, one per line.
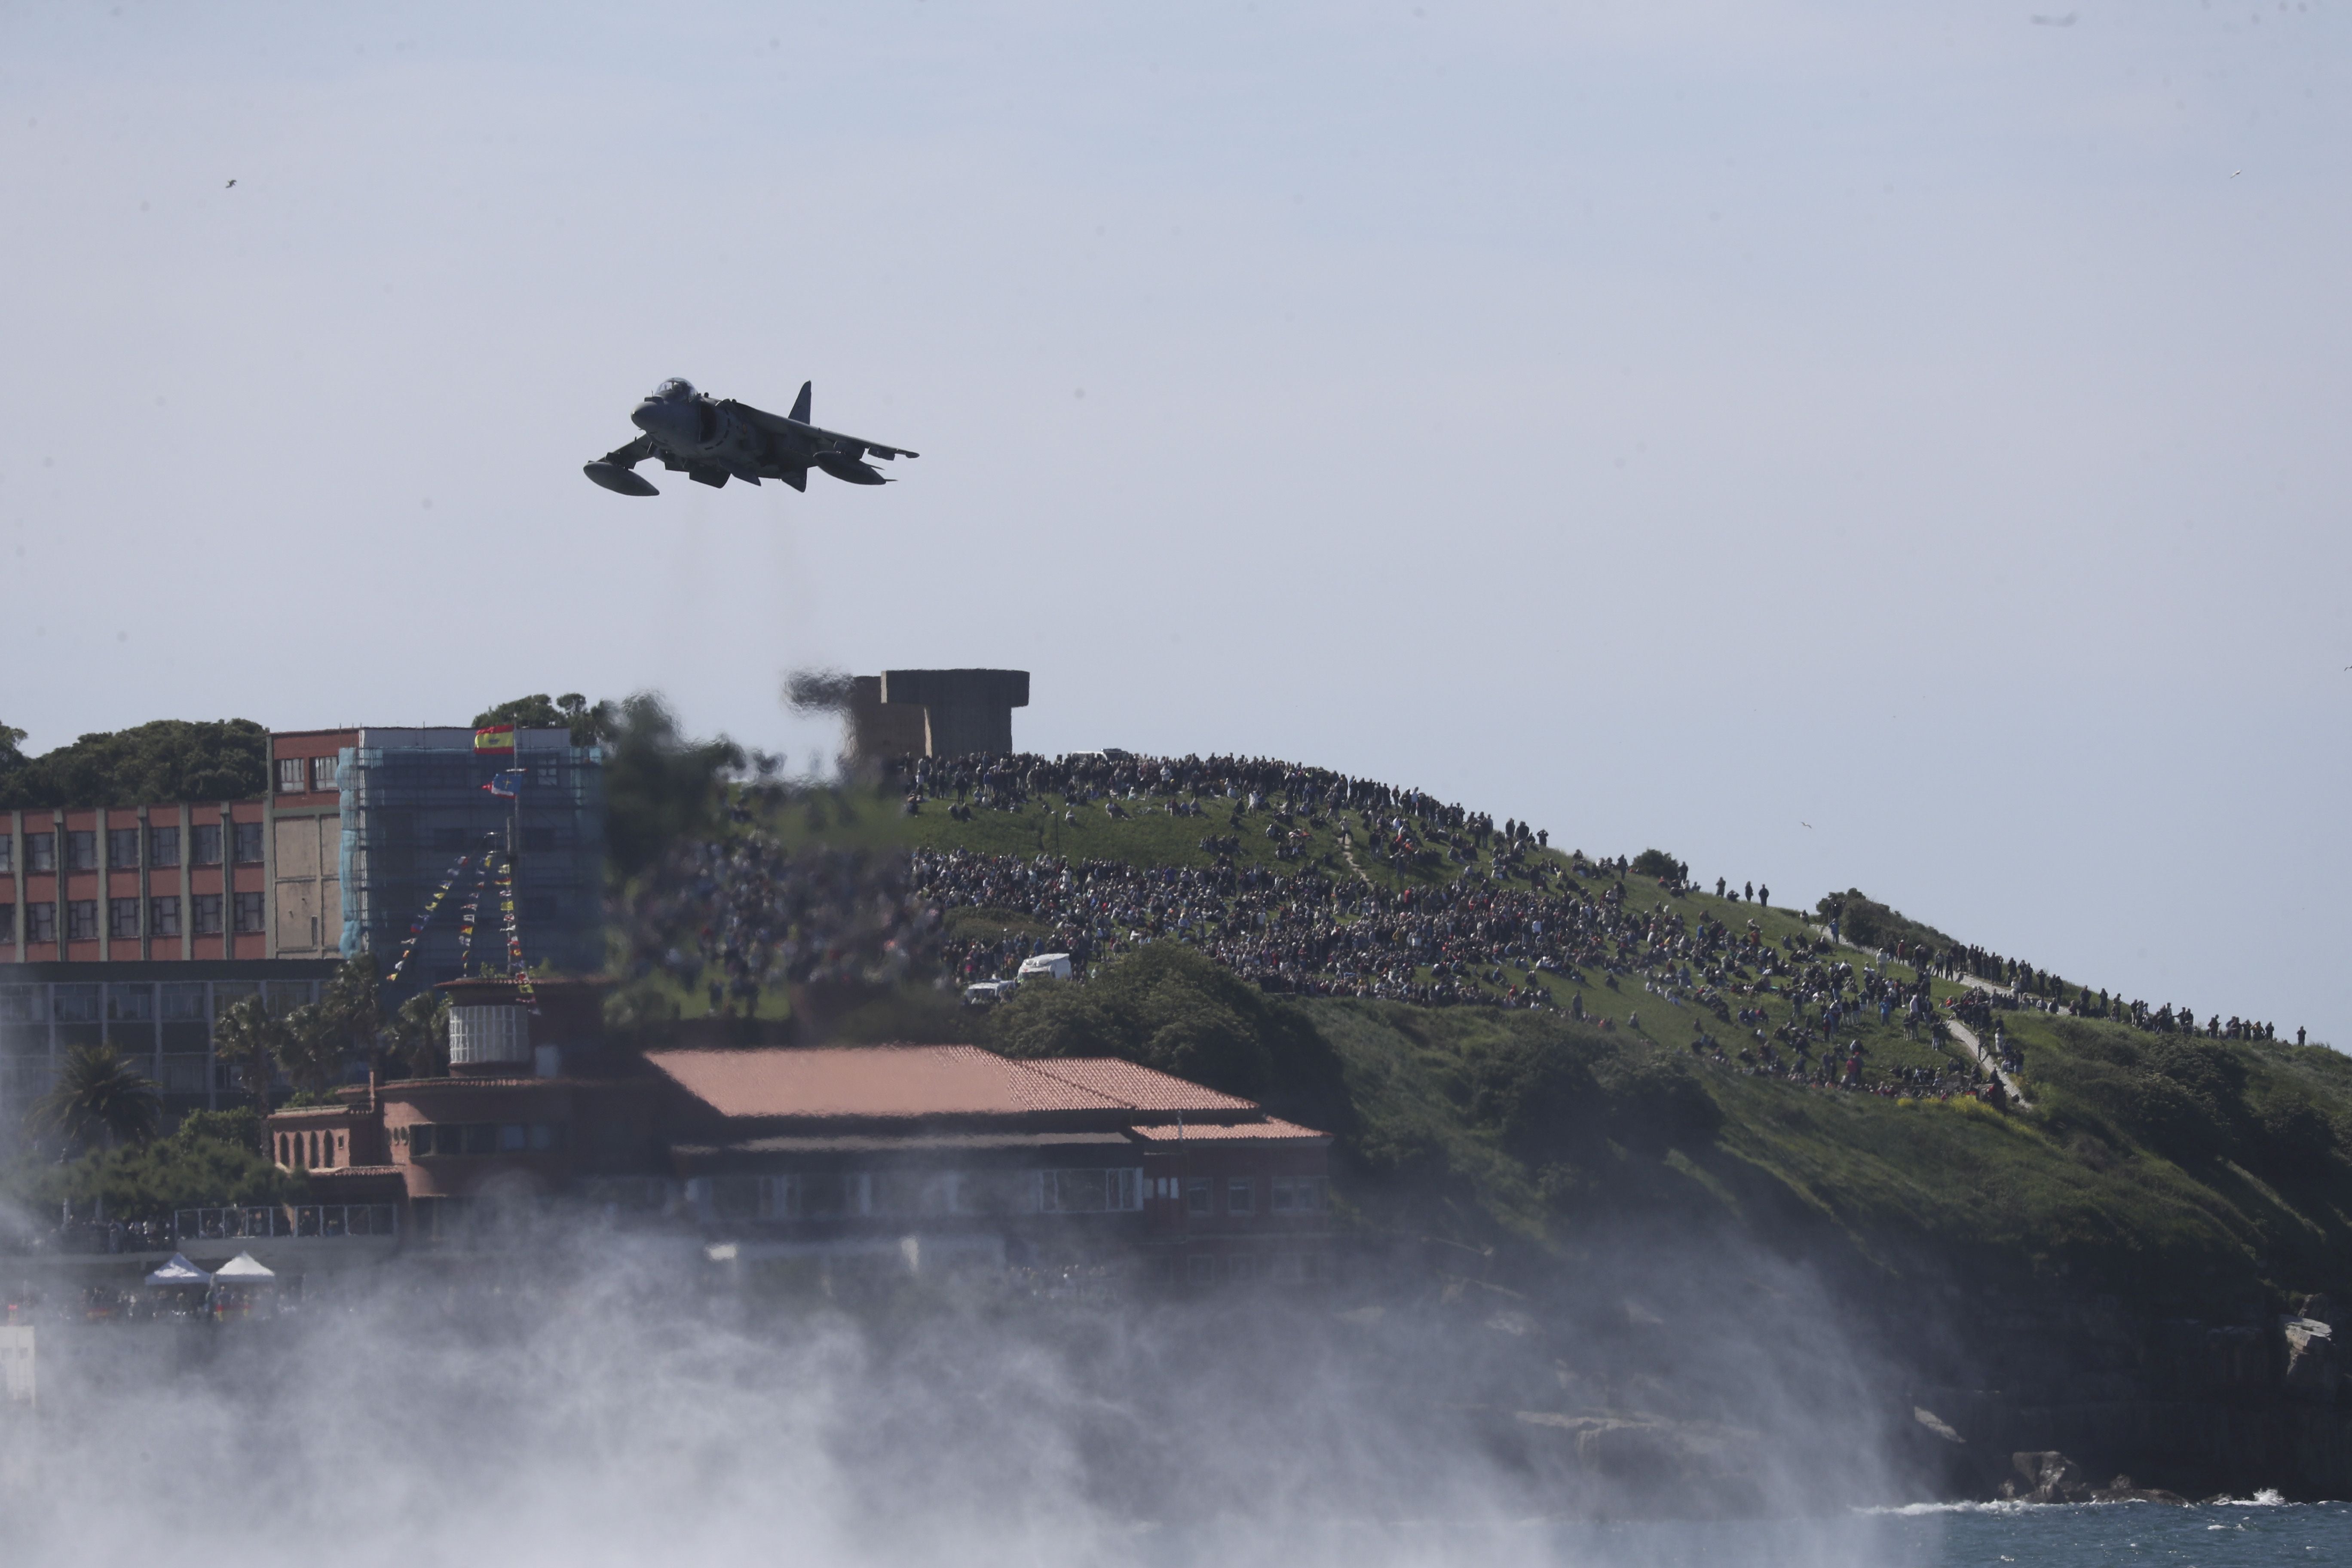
(514,937)
(416,927)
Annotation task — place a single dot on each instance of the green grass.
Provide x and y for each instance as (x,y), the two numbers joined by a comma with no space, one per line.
(2140,1168)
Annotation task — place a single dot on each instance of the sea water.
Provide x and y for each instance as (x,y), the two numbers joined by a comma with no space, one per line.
(2261,1530)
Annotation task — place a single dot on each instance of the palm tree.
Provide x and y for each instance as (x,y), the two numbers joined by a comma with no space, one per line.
(313,1045)
(353,1000)
(250,1041)
(99,1095)
(421,1031)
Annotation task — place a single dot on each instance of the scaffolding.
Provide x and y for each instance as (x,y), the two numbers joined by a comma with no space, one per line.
(415,799)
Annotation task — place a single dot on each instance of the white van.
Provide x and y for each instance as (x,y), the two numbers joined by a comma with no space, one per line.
(1047,966)
(984,993)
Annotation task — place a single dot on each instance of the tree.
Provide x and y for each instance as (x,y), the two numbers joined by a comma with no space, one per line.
(658,785)
(11,759)
(420,1033)
(169,760)
(252,1043)
(313,1047)
(355,1001)
(589,725)
(100,1096)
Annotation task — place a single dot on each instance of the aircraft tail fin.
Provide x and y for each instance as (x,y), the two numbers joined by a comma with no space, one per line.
(800,404)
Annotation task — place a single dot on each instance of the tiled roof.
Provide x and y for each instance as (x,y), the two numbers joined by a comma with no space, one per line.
(897,1081)
(1140,1088)
(869,1082)
(1271,1130)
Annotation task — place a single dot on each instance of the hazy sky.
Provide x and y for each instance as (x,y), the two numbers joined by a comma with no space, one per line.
(1843,445)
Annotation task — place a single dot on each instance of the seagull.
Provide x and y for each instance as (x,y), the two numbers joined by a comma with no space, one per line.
(1801,823)
(2235,172)
(230,186)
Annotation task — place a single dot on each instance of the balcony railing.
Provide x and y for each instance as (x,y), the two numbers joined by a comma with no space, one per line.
(263,1222)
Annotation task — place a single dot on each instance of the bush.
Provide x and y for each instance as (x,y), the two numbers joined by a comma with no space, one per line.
(1165,1006)
(1866,923)
(1659,864)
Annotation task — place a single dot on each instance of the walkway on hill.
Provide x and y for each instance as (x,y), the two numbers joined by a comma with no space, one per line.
(1960,1032)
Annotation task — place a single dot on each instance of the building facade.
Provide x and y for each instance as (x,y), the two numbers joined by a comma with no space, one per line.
(859,1161)
(137,926)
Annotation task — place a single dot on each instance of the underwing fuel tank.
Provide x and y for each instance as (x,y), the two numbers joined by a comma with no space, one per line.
(626,481)
(844,466)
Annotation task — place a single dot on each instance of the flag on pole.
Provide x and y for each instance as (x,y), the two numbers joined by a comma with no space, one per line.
(495,738)
(504,784)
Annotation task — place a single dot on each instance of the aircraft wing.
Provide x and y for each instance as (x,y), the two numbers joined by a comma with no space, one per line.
(799,438)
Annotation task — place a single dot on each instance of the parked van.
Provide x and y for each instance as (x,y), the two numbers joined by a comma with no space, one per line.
(984,993)
(1047,966)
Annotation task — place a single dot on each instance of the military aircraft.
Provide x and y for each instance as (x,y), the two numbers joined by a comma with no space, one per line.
(715,439)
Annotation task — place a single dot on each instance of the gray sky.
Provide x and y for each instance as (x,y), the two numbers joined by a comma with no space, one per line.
(1842,445)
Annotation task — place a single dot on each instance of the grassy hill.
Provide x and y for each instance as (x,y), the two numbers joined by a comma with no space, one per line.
(2191,1174)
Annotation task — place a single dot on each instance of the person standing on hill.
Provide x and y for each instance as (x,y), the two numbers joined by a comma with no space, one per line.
(1747,892)
(1764,894)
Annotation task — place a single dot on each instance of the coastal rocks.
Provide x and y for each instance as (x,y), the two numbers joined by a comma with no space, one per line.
(2121,1490)
(2048,1476)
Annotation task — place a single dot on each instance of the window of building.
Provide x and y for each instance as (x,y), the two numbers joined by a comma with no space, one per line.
(249,914)
(122,919)
(1200,1195)
(8,923)
(1241,1196)
(81,920)
(163,917)
(7,852)
(20,1003)
(40,851)
(81,851)
(1241,1268)
(163,846)
(1201,1269)
(322,773)
(1297,1194)
(130,1003)
(291,775)
(74,1004)
(122,847)
(40,923)
(248,843)
(543,774)
(183,1003)
(204,845)
(205,912)
(1090,1192)
(285,996)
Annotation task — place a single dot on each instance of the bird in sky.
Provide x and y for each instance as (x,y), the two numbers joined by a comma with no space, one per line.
(1801,823)
(230,186)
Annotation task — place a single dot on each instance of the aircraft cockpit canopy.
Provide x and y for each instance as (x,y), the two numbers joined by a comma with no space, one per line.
(675,386)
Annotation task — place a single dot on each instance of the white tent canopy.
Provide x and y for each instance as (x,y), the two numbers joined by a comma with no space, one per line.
(179,1271)
(245,1269)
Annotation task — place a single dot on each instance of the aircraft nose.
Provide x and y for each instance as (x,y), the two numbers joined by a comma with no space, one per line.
(647,416)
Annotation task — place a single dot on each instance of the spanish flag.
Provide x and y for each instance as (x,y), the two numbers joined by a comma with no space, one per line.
(496,738)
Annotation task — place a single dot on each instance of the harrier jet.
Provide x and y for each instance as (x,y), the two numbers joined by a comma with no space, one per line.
(715,439)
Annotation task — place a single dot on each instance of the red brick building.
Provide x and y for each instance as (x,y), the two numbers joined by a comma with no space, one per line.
(135,926)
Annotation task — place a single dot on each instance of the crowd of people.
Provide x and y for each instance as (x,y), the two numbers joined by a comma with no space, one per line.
(742,913)
(1503,927)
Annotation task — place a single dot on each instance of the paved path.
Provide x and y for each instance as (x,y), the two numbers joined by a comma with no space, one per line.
(1961,1032)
